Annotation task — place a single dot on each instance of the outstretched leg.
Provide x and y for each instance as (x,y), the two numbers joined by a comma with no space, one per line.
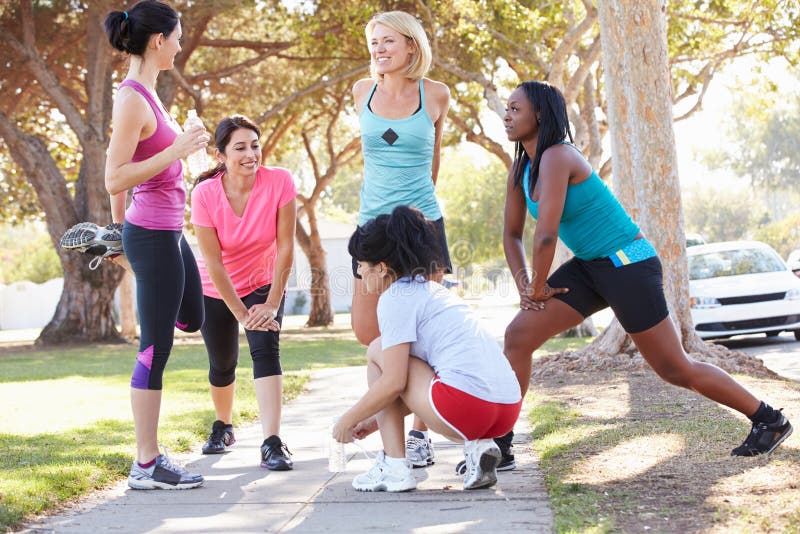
(661,348)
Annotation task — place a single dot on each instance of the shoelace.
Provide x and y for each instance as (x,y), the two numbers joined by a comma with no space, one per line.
(366,453)
(413,441)
(217,434)
(171,464)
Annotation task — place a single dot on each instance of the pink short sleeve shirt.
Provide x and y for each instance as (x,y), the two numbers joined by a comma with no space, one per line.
(248,243)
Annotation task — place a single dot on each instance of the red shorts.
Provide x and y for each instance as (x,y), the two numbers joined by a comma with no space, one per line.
(469,416)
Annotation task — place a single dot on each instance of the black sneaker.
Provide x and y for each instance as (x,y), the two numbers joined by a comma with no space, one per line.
(507,462)
(764,437)
(220,438)
(275,455)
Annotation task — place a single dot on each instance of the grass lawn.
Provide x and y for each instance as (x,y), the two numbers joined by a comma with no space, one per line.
(627,452)
(66,426)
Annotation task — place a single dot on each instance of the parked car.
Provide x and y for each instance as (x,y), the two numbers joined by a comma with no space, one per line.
(742,287)
(694,240)
(793,261)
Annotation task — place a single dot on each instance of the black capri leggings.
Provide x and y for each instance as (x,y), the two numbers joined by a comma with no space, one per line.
(168,295)
(221,335)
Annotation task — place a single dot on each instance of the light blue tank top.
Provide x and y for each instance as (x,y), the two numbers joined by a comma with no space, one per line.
(593,224)
(398,157)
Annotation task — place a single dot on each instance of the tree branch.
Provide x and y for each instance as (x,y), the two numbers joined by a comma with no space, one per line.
(489,89)
(568,44)
(49,82)
(481,139)
(297,95)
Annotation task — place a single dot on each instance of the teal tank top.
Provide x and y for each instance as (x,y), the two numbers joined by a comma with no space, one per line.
(593,224)
(398,159)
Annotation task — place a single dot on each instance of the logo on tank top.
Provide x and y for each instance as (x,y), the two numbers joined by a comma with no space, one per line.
(390,136)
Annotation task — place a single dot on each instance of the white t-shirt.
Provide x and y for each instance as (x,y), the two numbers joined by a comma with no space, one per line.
(445,333)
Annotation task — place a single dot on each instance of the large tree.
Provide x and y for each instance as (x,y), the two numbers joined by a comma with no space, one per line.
(53,74)
(56,108)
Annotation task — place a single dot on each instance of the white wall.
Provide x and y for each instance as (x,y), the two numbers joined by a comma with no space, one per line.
(28,305)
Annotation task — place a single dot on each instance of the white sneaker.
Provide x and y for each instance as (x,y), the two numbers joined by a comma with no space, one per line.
(382,477)
(165,473)
(419,450)
(482,457)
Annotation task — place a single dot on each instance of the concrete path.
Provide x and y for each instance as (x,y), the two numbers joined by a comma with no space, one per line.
(239,496)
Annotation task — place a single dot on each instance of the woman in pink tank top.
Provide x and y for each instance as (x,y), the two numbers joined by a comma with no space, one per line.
(144,155)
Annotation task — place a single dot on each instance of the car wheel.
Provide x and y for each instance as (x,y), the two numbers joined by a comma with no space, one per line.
(772,334)
(797,335)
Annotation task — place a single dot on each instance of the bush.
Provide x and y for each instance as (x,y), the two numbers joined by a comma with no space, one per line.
(783,236)
(35,260)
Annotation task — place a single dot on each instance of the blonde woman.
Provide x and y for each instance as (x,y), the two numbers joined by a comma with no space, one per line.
(402,114)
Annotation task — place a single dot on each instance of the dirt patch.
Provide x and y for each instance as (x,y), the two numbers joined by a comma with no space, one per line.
(732,361)
(658,457)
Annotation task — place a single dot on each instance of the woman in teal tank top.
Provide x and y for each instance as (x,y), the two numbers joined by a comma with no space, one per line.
(402,117)
(613,265)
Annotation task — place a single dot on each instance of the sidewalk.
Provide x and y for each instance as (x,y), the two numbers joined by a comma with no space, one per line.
(239,496)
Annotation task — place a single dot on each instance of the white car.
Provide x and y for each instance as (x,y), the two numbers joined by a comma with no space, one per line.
(742,287)
(793,261)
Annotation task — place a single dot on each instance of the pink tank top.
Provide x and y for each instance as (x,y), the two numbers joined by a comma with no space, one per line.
(158,203)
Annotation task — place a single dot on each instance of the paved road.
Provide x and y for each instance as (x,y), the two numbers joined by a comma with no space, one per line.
(780,353)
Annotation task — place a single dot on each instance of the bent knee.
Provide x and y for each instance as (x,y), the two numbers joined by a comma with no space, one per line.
(374,350)
(519,338)
(681,376)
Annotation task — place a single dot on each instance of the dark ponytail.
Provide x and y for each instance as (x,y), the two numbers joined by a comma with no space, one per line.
(222,136)
(405,240)
(549,104)
(129,31)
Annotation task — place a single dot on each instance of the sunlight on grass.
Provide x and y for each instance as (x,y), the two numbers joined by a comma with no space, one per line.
(627,460)
(555,429)
(60,404)
(66,421)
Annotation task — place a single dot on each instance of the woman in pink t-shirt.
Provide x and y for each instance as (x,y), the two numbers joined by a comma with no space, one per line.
(244,217)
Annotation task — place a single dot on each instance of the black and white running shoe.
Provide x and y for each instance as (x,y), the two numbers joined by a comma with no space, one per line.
(97,241)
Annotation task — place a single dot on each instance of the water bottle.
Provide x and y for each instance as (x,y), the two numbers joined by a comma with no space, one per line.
(196,162)
(337,459)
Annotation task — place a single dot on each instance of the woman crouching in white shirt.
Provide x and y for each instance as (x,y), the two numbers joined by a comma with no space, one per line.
(433,359)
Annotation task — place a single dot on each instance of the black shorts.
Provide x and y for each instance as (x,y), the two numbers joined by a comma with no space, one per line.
(439,225)
(634,291)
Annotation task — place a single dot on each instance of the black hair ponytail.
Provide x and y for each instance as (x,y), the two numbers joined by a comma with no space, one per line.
(129,31)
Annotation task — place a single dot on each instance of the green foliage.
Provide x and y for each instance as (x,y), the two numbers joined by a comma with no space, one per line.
(725,215)
(783,236)
(762,137)
(28,255)
(473,195)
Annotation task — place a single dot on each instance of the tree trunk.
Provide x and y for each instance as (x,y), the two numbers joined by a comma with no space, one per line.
(84,312)
(644,162)
(321,313)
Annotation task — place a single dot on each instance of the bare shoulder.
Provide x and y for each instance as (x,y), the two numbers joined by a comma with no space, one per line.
(438,90)
(130,105)
(565,156)
(361,87)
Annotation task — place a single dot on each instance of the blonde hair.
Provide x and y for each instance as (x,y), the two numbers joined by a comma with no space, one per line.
(410,28)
